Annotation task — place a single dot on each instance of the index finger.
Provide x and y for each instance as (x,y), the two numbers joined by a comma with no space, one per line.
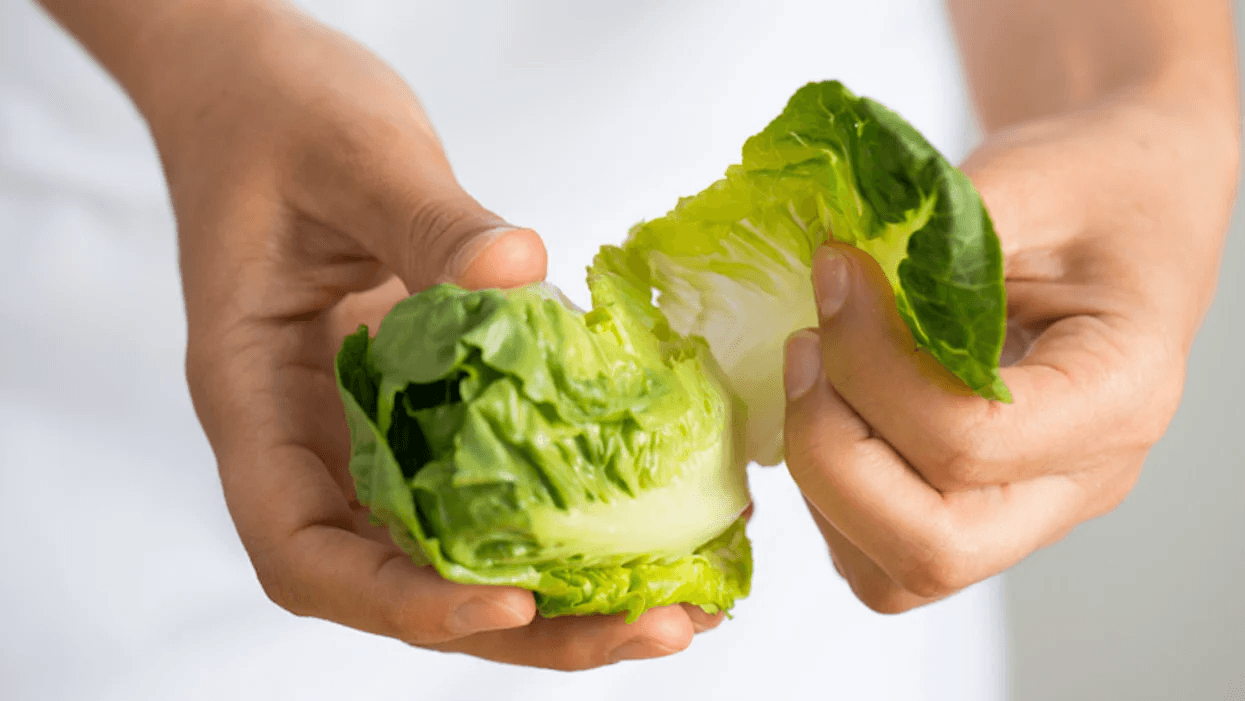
(1073,388)
(930,543)
(276,417)
(321,568)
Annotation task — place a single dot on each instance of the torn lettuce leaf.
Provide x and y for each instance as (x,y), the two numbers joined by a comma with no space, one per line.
(732,263)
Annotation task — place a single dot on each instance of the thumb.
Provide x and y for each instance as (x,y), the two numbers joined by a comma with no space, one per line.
(400,201)
(450,237)
(502,257)
(869,351)
(901,393)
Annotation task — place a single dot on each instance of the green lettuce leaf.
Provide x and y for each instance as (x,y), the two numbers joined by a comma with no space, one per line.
(597,457)
(506,438)
(732,264)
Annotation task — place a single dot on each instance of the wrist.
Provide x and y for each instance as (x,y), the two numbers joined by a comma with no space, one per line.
(191,54)
(161,51)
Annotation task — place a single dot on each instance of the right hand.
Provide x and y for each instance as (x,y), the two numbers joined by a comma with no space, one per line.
(312,194)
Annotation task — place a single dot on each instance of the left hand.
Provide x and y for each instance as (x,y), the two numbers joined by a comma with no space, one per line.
(1111,222)
(311,195)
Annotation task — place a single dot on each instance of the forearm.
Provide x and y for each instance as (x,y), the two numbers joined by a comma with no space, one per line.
(203,72)
(1030,59)
(144,44)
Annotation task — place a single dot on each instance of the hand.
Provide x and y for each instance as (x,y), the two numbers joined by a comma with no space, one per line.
(1111,222)
(311,195)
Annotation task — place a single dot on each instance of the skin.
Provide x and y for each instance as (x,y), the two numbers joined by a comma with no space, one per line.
(311,194)
(1109,165)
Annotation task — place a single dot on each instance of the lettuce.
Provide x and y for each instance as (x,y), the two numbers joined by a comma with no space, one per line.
(588,457)
(732,264)
(598,457)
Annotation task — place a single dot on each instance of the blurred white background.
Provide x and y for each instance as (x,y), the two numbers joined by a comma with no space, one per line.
(122,577)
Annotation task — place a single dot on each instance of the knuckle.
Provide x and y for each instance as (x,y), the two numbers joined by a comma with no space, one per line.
(1148,379)
(929,580)
(812,453)
(198,369)
(873,587)
(418,628)
(278,590)
(1120,487)
(967,449)
(883,597)
(438,228)
(945,571)
(961,463)
(1116,487)
(577,658)
(887,603)
(679,640)
(407,626)
(803,458)
(406,622)
(1164,402)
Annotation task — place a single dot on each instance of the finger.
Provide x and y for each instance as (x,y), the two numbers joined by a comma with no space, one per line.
(868,582)
(1067,389)
(701,621)
(294,516)
(499,258)
(929,543)
(311,564)
(583,642)
(383,179)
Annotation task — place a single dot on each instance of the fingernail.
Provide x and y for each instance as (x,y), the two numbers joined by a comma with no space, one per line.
(638,650)
(802,364)
(461,260)
(830,280)
(483,614)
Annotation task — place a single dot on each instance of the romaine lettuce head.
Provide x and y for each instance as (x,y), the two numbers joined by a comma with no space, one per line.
(597,458)
(507,438)
(732,264)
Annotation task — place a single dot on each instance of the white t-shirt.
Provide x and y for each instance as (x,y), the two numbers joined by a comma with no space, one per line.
(123,578)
